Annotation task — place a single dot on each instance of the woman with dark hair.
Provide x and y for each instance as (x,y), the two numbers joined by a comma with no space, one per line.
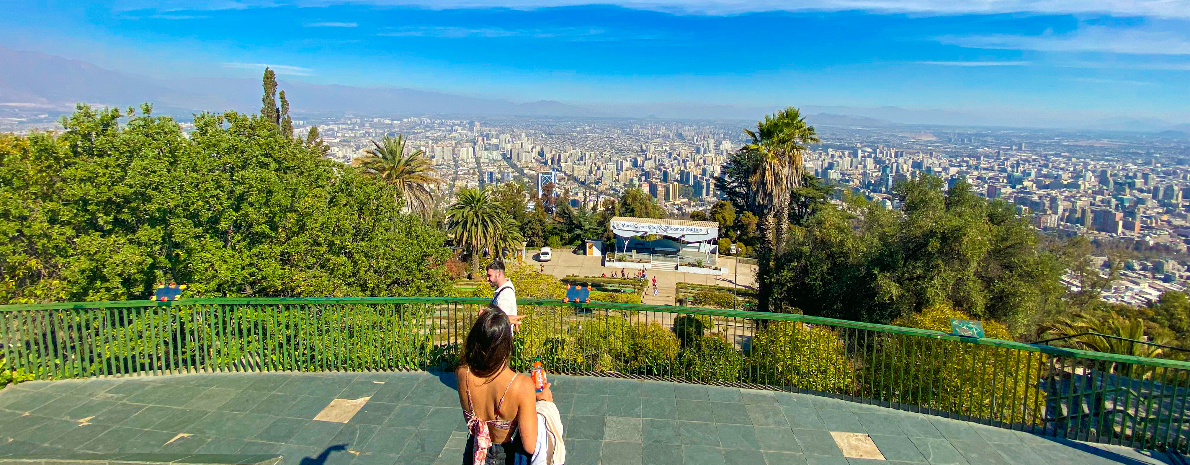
(498,403)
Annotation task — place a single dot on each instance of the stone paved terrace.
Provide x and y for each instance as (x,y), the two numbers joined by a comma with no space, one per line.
(415,418)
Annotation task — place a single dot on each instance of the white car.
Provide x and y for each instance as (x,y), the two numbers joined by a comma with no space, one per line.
(545,255)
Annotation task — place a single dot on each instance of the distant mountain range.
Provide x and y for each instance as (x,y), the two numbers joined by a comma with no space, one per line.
(42,81)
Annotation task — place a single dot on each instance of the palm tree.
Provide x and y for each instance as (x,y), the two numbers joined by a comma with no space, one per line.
(1110,333)
(475,222)
(509,237)
(413,175)
(778,144)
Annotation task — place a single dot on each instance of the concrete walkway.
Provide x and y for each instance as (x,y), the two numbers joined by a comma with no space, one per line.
(566,263)
(414,418)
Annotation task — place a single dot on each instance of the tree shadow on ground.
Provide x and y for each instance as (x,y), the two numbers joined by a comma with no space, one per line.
(321,458)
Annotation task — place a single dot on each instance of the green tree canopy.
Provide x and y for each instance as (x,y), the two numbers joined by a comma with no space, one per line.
(103,211)
(862,262)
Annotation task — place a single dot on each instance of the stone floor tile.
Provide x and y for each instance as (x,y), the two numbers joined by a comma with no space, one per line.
(408,416)
(584,427)
(698,433)
(776,438)
(583,451)
(166,395)
(665,408)
(380,459)
(389,440)
(882,424)
(841,420)
(18,448)
(623,429)
(803,418)
(281,430)
(691,392)
(21,423)
(766,415)
(938,451)
(150,416)
(590,387)
(117,414)
(443,419)
(564,402)
(260,447)
(995,435)
(1020,454)
(242,425)
(316,434)
(90,410)
(826,460)
(47,432)
(662,454)
(752,396)
(660,431)
(424,444)
(743,457)
(1034,439)
(354,437)
(367,388)
(817,442)
(146,442)
(694,410)
(458,440)
(184,444)
(622,453)
(978,452)
(732,413)
(84,434)
(295,455)
(919,426)
(243,401)
(898,448)
(658,389)
(702,455)
(589,405)
(624,406)
(393,392)
(738,437)
(954,429)
(111,440)
(274,404)
(724,394)
(374,413)
(783,458)
(624,388)
(59,407)
(211,399)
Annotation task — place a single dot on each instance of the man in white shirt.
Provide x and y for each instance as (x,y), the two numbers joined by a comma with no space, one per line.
(504,297)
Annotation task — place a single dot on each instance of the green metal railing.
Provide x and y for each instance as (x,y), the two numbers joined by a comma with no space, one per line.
(1066,393)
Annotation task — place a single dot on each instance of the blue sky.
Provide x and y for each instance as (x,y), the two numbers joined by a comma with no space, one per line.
(1080,59)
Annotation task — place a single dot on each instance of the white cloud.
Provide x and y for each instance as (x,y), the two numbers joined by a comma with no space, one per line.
(1136,41)
(974,63)
(1148,8)
(566,33)
(1114,82)
(279,69)
(332,24)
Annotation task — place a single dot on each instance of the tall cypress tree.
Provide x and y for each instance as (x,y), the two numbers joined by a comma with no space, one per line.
(284,121)
(269,110)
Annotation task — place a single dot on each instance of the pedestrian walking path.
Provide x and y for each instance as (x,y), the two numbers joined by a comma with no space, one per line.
(414,417)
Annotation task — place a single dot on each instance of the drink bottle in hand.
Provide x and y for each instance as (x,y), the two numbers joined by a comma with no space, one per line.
(538,374)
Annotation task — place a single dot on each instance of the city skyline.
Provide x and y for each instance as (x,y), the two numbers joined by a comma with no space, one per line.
(1039,64)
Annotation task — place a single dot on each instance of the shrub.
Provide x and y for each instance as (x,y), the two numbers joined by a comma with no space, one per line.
(710,359)
(691,327)
(793,354)
(615,297)
(713,298)
(654,349)
(958,377)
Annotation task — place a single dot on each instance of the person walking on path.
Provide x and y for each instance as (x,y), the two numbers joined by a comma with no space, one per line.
(504,297)
(654,281)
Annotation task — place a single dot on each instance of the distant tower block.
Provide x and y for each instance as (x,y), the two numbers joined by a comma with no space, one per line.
(545,178)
